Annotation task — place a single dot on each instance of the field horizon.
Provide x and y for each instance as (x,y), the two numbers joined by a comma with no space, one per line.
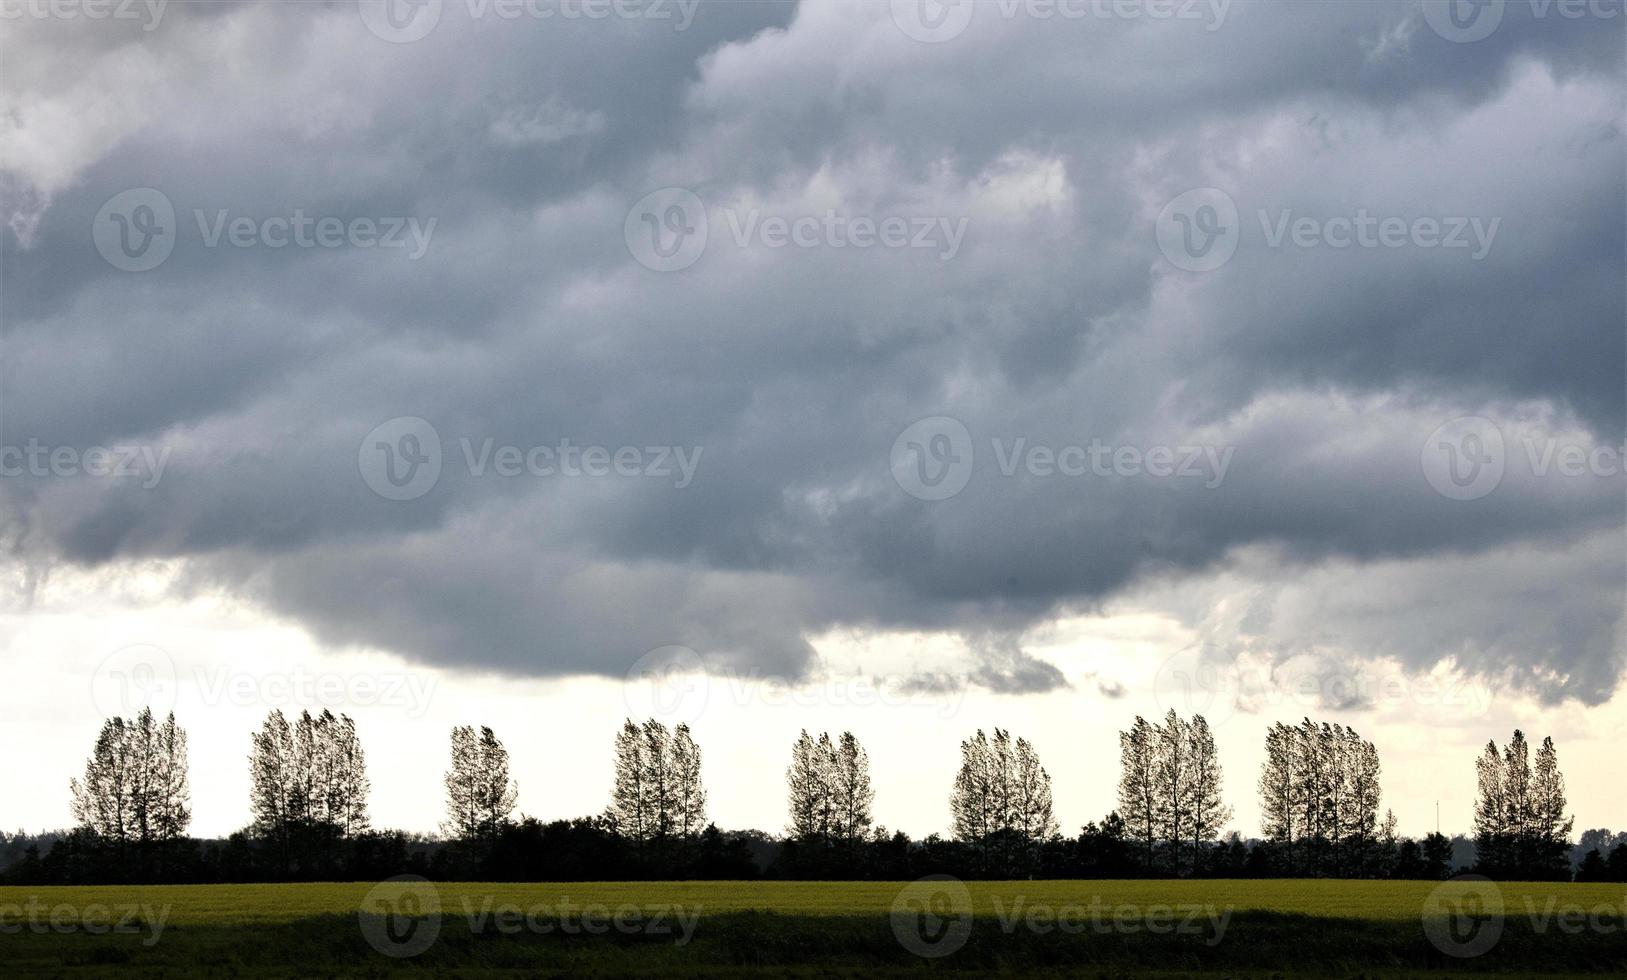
(1117,927)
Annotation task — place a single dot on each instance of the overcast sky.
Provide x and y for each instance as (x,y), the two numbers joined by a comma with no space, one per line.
(906,367)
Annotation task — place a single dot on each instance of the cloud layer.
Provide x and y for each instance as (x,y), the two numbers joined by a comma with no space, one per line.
(1319,372)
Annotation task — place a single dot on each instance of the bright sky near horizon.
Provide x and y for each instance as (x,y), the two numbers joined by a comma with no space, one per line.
(225,666)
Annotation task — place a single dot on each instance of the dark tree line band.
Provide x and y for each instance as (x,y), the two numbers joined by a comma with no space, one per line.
(1318,790)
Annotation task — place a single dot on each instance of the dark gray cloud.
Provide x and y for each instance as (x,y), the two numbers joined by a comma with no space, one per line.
(1320,373)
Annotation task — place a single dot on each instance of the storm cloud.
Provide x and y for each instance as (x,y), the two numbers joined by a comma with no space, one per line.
(1083,383)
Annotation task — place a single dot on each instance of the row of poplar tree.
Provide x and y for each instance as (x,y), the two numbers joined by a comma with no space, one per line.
(1319,793)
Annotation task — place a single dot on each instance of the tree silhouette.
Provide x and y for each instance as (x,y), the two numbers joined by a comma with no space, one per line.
(1521,829)
(1170,791)
(1138,797)
(658,794)
(307,782)
(854,794)
(629,810)
(828,790)
(480,796)
(1319,798)
(688,795)
(1001,802)
(806,786)
(135,788)
(1319,792)
(1209,811)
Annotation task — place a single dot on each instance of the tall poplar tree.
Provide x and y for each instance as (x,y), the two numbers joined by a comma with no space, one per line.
(135,790)
(480,794)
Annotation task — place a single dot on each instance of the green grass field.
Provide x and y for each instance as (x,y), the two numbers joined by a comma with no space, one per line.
(1105,928)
